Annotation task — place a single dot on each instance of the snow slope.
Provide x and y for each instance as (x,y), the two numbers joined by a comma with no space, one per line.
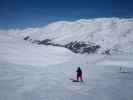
(35,72)
(109,33)
(20,52)
(51,82)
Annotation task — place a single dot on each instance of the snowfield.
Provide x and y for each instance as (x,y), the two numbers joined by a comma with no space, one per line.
(37,72)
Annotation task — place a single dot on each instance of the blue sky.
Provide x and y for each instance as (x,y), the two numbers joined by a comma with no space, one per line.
(36,13)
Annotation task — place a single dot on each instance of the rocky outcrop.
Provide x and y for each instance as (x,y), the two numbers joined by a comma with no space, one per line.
(76,46)
(82,47)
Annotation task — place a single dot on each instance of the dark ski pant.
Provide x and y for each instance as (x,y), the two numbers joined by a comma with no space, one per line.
(79,77)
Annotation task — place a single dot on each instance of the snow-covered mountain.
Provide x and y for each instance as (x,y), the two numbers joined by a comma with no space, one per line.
(37,72)
(109,33)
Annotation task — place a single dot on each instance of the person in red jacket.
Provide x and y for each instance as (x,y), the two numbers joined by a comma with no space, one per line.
(79,74)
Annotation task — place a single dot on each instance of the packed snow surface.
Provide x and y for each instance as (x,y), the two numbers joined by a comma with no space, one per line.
(35,72)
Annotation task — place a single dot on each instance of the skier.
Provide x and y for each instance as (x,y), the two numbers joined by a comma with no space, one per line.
(79,74)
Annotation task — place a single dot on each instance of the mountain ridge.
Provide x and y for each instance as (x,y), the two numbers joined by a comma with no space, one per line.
(109,33)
